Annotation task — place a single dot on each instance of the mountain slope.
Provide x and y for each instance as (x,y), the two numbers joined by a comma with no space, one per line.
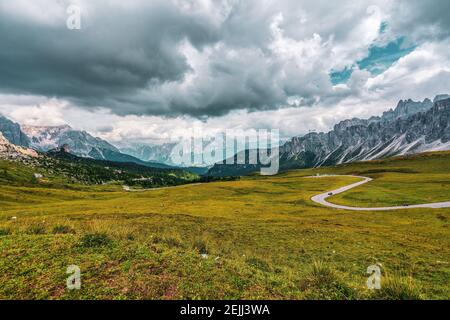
(44,138)
(79,143)
(10,151)
(94,171)
(13,133)
(155,153)
(413,127)
(420,132)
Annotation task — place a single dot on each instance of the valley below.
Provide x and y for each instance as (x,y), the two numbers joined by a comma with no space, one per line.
(253,238)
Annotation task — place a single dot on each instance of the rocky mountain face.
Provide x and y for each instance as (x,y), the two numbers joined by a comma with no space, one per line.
(405,109)
(412,127)
(9,151)
(80,143)
(13,133)
(162,153)
(410,130)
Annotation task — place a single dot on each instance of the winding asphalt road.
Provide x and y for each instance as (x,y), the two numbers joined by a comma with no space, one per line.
(321,198)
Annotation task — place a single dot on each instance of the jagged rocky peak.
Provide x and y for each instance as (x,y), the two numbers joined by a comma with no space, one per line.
(81,143)
(36,129)
(406,108)
(45,137)
(405,130)
(440,97)
(442,104)
(349,123)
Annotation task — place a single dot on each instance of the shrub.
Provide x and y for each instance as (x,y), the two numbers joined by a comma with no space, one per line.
(94,240)
(63,230)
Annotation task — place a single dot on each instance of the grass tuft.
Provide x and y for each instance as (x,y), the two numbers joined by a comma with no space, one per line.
(322,282)
(36,230)
(258,264)
(61,229)
(5,232)
(201,245)
(173,242)
(399,288)
(95,240)
(320,275)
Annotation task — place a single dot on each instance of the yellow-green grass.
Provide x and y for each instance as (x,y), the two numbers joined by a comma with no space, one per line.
(263,238)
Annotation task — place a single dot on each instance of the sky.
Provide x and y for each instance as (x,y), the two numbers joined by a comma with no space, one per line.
(146,71)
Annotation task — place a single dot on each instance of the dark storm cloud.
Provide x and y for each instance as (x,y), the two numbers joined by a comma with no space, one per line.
(119,51)
(179,57)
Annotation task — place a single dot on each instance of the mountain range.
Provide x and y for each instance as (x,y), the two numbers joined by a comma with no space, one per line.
(154,153)
(412,127)
(82,144)
(79,143)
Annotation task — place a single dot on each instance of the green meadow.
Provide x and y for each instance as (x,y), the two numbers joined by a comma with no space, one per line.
(256,238)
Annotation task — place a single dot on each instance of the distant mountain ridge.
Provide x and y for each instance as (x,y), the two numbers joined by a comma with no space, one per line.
(80,143)
(412,127)
(145,152)
(161,153)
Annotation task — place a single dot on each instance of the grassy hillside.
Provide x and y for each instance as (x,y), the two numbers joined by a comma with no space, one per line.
(260,237)
(408,180)
(64,170)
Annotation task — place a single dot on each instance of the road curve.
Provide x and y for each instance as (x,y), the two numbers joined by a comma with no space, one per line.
(321,198)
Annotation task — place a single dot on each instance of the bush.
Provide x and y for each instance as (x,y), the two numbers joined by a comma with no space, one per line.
(36,229)
(63,230)
(94,240)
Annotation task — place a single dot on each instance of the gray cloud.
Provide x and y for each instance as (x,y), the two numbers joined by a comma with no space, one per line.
(175,58)
(421,20)
(117,53)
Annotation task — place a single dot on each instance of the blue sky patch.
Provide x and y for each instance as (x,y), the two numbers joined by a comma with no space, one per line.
(379,60)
